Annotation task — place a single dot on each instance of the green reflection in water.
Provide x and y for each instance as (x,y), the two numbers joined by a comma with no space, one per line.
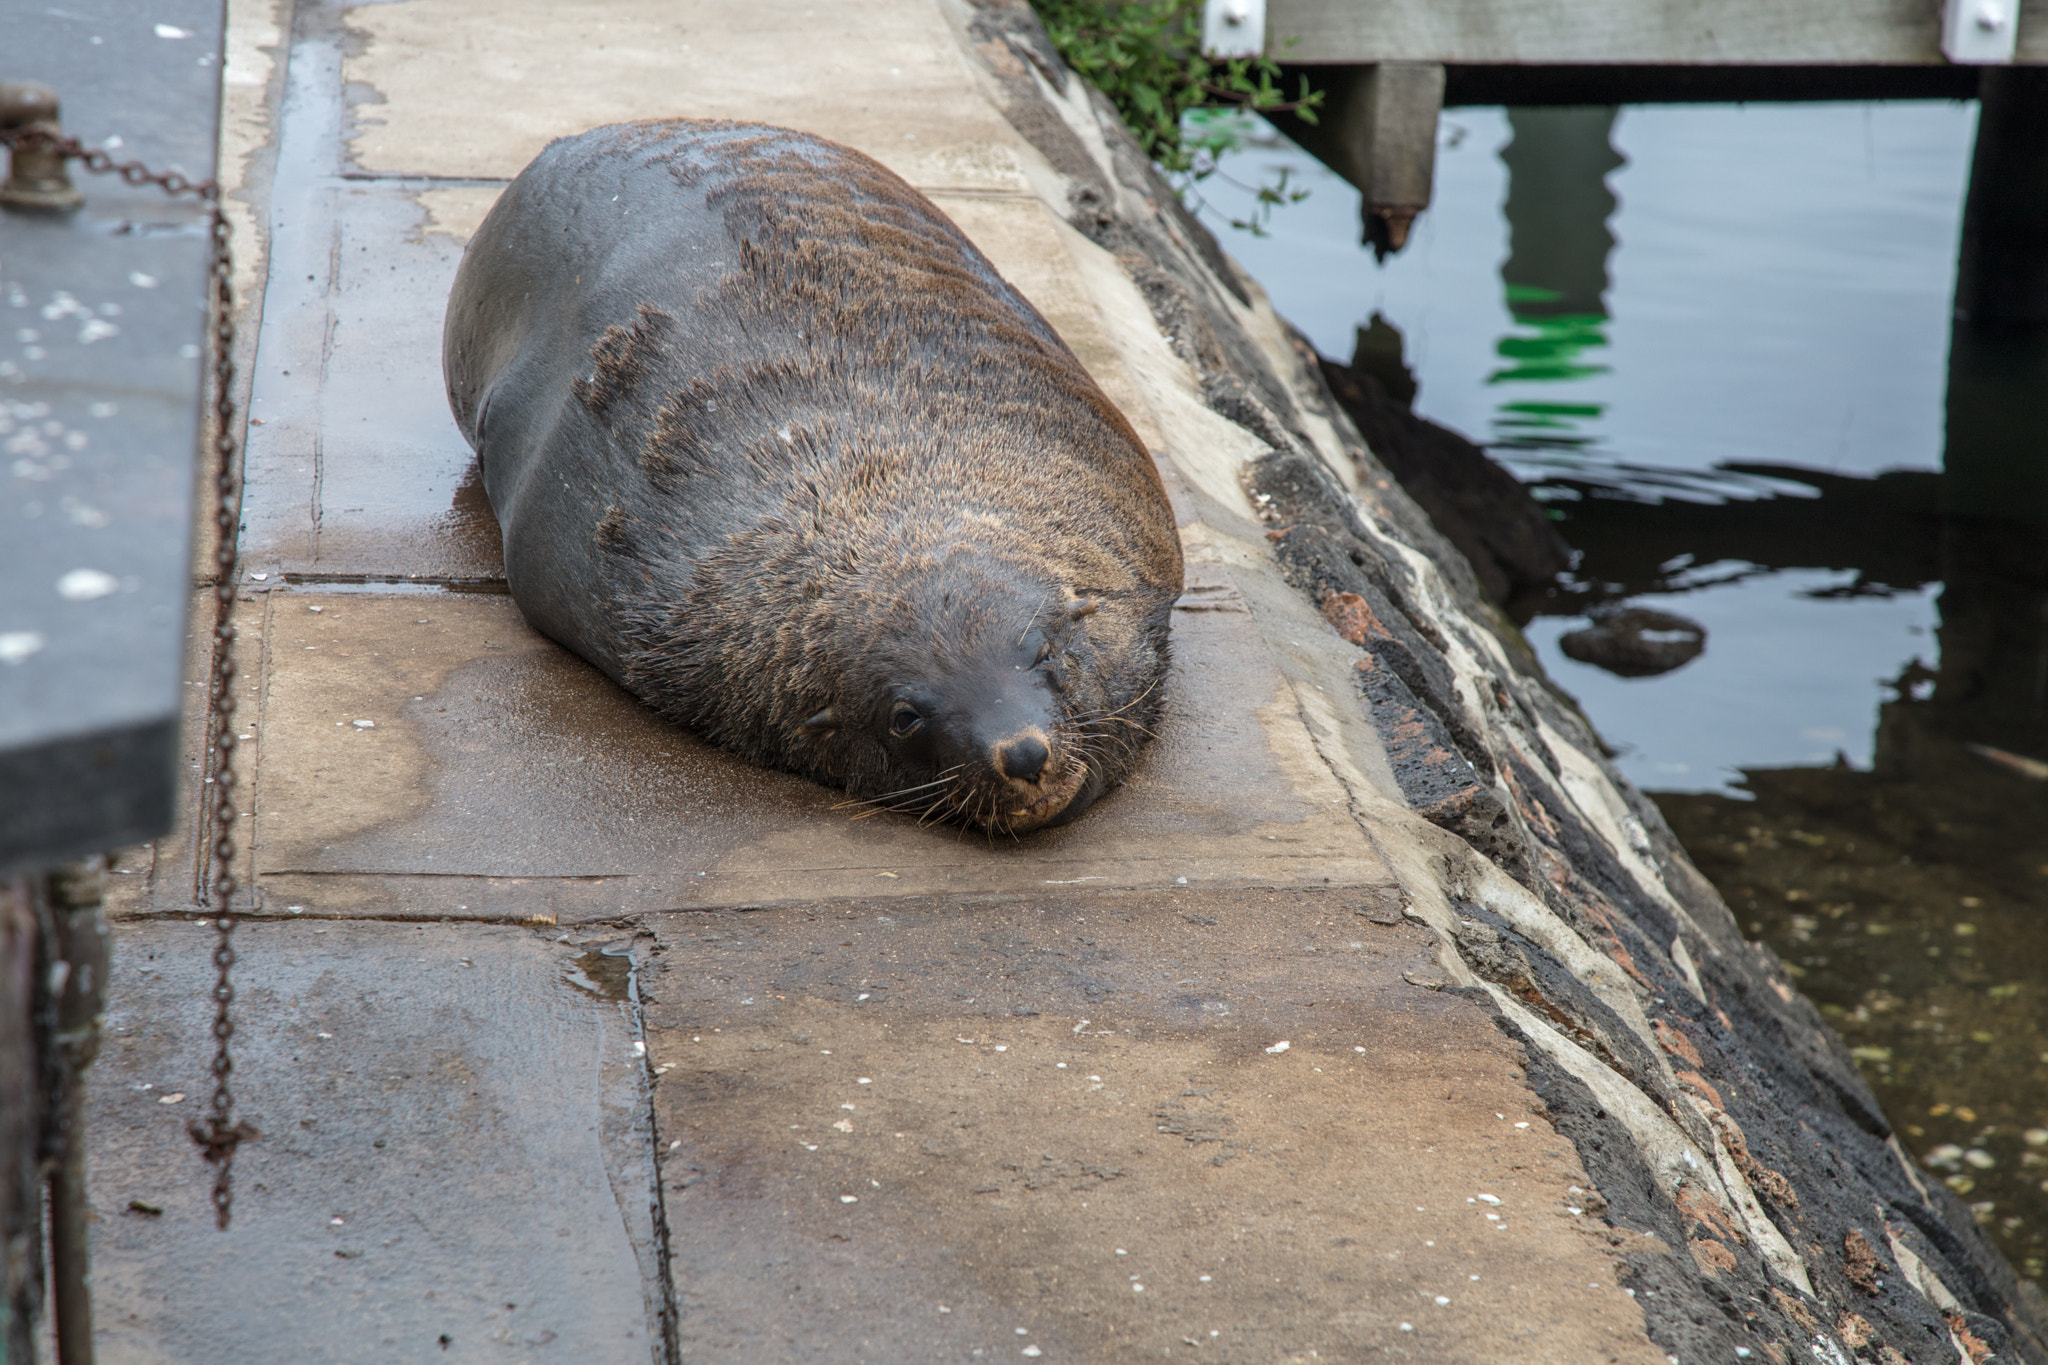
(1547,424)
(1552,351)
(1555,277)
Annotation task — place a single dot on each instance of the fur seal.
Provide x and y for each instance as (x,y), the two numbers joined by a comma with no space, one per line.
(772,445)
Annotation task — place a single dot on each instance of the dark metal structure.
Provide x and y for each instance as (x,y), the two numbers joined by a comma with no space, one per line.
(101,358)
(105,289)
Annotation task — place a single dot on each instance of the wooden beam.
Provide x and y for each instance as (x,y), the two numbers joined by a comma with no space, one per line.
(1616,84)
(1377,129)
(2002,277)
(1655,32)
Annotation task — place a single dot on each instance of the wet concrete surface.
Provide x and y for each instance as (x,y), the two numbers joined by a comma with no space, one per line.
(425,775)
(438,741)
(455,1161)
(1114,1127)
(354,466)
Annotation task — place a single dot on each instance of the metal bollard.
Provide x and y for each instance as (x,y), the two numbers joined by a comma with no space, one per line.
(36,176)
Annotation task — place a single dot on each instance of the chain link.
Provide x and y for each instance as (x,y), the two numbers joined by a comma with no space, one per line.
(218,1135)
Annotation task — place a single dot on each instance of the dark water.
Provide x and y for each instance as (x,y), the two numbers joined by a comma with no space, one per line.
(1718,343)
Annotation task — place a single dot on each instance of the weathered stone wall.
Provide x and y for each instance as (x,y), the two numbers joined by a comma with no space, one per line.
(1752,1187)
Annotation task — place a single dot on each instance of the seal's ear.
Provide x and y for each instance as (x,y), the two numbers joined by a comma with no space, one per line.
(1082,606)
(824,723)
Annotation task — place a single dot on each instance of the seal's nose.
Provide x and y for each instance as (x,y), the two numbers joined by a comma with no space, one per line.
(1023,758)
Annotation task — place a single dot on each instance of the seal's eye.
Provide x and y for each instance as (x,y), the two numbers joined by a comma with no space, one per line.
(905,721)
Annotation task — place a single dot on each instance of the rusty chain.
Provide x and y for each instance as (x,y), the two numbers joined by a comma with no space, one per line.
(218,1135)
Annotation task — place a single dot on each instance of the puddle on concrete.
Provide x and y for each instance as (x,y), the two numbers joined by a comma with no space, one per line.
(605,971)
(1718,341)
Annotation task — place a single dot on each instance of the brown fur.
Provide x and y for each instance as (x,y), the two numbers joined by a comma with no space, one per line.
(851,466)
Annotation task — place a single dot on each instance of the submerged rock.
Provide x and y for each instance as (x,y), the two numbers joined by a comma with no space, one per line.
(1636,642)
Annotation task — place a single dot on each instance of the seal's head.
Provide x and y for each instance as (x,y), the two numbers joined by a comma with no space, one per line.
(938,671)
(970,700)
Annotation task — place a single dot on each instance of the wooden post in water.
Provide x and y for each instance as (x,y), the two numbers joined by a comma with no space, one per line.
(1992,688)
(1377,129)
(2002,276)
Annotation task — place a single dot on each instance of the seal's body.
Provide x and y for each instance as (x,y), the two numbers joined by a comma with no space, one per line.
(775,447)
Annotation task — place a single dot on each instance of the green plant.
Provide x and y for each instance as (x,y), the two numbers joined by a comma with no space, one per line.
(1146,56)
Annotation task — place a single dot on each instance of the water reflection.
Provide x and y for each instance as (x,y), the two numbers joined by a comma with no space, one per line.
(1909,897)
(1727,382)
(1555,277)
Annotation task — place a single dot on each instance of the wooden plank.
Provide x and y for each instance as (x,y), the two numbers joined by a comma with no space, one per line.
(1662,32)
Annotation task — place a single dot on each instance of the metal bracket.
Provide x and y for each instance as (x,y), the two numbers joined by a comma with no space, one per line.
(1980,32)
(1237,28)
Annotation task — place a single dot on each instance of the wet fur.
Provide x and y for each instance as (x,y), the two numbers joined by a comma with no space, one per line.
(817,448)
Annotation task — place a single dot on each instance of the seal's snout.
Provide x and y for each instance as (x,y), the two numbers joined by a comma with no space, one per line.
(1023,757)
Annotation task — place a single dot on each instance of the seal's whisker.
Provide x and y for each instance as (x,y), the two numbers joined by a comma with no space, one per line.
(1150,688)
(1108,717)
(945,777)
(1124,720)
(1036,613)
(902,807)
(957,813)
(882,810)
(879,802)
(961,805)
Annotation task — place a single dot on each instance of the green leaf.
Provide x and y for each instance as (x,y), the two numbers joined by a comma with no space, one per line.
(1146,56)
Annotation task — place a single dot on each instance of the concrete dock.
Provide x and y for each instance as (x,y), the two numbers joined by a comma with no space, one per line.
(571,1038)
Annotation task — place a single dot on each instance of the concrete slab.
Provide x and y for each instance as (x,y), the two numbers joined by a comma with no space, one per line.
(456,1163)
(364,401)
(430,755)
(462,98)
(1217,1126)
(164,877)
